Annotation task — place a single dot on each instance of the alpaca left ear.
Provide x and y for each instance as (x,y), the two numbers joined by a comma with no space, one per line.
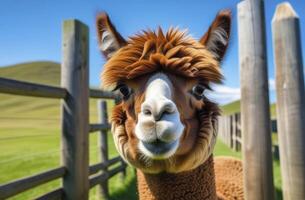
(108,38)
(216,39)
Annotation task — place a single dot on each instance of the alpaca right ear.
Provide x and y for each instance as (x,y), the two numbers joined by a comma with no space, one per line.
(217,37)
(108,38)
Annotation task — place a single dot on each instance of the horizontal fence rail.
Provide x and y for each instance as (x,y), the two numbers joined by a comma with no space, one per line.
(93,181)
(103,165)
(20,185)
(94,93)
(10,86)
(99,127)
(105,176)
(16,87)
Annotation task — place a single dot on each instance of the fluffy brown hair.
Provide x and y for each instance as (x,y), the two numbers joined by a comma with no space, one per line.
(151,51)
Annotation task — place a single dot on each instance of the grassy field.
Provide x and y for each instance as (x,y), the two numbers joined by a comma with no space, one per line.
(30,135)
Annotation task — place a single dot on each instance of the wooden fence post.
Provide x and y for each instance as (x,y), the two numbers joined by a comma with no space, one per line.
(75,115)
(234,129)
(231,130)
(228,130)
(220,127)
(103,146)
(290,100)
(255,116)
(238,133)
(225,131)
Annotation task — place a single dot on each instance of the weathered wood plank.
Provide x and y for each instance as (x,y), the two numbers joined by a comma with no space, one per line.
(290,100)
(23,88)
(99,127)
(255,116)
(75,117)
(94,93)
(234,132)
(105,176)
(239,133)
(102,165)
(20,185)
(103,146)
(228,130)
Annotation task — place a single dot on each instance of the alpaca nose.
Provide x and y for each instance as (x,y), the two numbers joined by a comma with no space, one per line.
(158,107)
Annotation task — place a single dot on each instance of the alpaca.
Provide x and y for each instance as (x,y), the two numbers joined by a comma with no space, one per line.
(165,126)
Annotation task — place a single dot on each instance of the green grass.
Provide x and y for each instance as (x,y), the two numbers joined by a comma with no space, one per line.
(30,135)
(231,108)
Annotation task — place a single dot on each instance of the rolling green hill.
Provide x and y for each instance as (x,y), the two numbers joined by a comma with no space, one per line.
(36,72)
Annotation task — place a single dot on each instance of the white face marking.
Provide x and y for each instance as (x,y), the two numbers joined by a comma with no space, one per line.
(159,126)
(159,85)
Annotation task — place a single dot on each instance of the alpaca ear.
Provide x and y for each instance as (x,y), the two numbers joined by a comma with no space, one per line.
(216,39)
(108,38)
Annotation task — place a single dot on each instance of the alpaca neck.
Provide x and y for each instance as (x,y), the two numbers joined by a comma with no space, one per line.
(197,184)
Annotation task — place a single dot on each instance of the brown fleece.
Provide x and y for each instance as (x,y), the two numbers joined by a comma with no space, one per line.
(229,178)
(197,184)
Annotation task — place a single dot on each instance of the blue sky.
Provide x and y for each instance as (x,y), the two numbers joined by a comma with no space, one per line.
(31,30)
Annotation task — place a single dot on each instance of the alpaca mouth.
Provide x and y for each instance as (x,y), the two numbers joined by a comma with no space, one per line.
(159,149)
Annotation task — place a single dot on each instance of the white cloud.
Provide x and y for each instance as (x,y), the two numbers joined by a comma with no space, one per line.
(271,82)
(223,94)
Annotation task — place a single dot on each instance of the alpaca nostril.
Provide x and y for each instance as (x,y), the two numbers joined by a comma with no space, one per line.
(169,108)
(147,111)
(166,108)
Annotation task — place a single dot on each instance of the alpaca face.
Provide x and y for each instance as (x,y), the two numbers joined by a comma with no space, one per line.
(164,121)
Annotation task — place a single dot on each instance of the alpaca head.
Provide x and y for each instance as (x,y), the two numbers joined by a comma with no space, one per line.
(164,122)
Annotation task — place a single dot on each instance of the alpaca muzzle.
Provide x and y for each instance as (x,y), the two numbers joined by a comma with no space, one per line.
(159,126)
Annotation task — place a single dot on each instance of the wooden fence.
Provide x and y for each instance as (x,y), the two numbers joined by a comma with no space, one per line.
(76,174)
(230,132)
(255,114)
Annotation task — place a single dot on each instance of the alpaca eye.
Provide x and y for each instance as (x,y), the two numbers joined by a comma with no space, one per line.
(198,91)
(124,91)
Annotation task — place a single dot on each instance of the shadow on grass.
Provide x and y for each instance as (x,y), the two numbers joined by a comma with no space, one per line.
(128,193)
